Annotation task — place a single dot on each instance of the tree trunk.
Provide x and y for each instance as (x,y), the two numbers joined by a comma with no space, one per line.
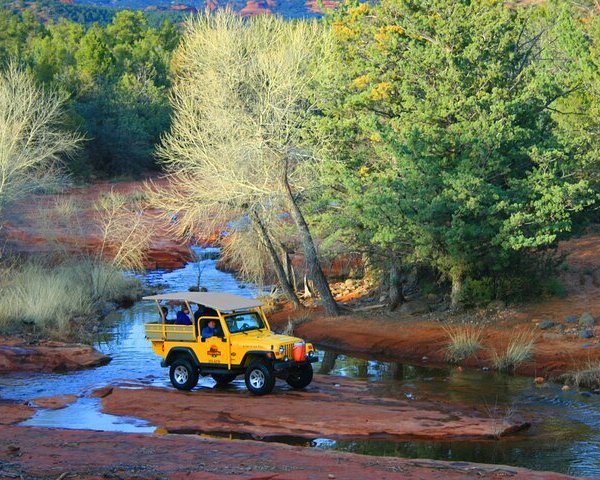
(396,296)
(312,260)
(277,266)
(456,292)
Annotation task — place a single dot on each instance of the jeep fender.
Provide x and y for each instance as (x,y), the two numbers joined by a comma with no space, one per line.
(179,352)
(253,355)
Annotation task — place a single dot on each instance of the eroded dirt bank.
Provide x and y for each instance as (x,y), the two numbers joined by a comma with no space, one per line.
(68,223)
(331,407)
(412,340)
(38,453)
(47,356)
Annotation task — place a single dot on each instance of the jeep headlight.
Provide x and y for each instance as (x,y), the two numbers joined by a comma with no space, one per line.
(282,349)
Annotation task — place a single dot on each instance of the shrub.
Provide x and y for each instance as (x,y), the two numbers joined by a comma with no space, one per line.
(464,341)
(518,350)
(477,291)
(553,287)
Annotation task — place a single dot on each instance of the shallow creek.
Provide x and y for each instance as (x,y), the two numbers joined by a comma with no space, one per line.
(565,436)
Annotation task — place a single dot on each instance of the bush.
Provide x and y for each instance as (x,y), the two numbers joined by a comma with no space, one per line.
(553,287)
(477,292)
(465,340)
(54,299)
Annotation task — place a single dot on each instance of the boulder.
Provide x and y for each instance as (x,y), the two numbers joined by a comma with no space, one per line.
(586,333)
(546,324)
(586,320)
(571,319)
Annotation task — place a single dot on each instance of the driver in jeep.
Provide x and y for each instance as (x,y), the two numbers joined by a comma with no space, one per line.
(210,330)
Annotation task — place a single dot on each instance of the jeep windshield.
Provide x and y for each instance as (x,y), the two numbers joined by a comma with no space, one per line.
(242,322)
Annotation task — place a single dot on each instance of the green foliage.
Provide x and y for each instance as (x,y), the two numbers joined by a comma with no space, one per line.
(441,138)
(117,78)
(477,292)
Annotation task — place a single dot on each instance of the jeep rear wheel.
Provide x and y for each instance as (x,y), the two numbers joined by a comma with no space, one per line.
(259,378)
(300,377)
(183,375)
(223,379)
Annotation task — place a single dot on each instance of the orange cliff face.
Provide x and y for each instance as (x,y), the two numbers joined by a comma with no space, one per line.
(257,7)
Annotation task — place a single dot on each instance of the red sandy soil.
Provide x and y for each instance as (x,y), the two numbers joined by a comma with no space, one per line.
(27,452)
(47,356)
(36,226)
(331,407)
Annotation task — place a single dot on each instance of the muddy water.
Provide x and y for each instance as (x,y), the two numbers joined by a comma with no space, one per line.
(565,436)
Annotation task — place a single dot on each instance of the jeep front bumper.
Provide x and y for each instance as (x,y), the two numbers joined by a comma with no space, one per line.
(284,365)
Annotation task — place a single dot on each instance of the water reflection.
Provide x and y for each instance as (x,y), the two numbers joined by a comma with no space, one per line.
(565,436)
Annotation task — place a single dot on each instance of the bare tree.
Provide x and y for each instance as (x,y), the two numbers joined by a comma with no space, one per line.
(242,101)
(32,142)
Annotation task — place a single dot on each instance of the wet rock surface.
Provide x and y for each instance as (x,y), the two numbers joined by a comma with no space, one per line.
(27,452)
(331,407)
(12,412)
(47,356)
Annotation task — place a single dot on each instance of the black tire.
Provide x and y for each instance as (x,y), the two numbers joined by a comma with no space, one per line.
(260,379)
(300,377)
(183,375)
(223,379)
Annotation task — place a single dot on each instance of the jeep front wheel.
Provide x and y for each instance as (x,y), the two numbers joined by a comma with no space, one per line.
(300,377)
(259,378)
(183,375)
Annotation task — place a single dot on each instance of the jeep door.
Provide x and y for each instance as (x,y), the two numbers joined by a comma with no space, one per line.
(216,349)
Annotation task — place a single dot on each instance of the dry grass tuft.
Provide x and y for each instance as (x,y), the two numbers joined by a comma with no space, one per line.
(464,341)
(518,350)
(586,377)
(54,300)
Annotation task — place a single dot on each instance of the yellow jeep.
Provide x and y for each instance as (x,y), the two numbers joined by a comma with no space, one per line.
(241,343)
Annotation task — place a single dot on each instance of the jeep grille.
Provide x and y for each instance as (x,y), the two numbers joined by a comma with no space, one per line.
(289,350)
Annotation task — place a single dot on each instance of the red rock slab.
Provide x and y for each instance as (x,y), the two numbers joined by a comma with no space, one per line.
(54,403)
(29,452)
(332,407)
(14,412)
(17,356)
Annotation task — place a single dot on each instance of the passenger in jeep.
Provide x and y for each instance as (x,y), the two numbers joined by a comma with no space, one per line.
(183,317)
(210,330)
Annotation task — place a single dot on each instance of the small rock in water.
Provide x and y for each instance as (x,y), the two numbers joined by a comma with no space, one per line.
(539,380)
(485,369)
(586,333)
(546,324)
(565,388)
(331,475)
(586,320)
(425,359)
